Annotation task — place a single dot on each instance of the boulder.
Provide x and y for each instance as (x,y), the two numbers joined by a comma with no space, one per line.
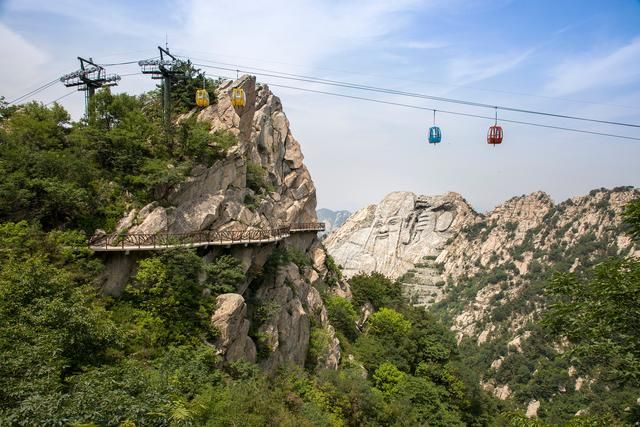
(229,319)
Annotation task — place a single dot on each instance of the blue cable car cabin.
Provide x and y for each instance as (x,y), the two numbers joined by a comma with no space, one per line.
(435,135)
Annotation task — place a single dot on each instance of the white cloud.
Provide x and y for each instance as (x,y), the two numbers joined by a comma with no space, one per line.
(101,16)
(21,69)
(467,70)
(302,32)
(616,68)
(423,45)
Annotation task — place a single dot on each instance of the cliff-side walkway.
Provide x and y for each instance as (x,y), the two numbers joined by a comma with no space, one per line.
(149,242)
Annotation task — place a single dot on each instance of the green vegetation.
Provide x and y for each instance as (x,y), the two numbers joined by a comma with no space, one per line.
(72,356)
(598,314)
(258,182)
(84,175)
(631,216)
(579,324)
(183,90)
(414,374)
(376,289)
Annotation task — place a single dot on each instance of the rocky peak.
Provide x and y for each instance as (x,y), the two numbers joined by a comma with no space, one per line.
(332,219)
(397,233)
(425,239)
(525,211)
(261,183)
(218,197)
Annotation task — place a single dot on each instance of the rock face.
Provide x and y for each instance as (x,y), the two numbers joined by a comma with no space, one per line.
(220,198)
(398,233)
(404,233)
(492,269)
(230,320)
(214,198)
(532,409)
(287,304)
(523,236)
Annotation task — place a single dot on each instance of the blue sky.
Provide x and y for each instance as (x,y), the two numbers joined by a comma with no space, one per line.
(571,57)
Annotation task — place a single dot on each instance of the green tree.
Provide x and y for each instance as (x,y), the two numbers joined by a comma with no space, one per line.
(224,274)
(631,217)
(389,324)
(600,317)
(167,286)
(52,321)
(377,289)
(342,315)
(183,90)
(388,379)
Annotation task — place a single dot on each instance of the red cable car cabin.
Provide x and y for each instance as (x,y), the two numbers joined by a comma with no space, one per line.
(494,136)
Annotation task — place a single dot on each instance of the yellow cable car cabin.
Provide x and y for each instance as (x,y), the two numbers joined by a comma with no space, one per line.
(238,98)
(202,98)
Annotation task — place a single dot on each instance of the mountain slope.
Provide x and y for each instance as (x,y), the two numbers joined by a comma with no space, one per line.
(489,272)
(260,183)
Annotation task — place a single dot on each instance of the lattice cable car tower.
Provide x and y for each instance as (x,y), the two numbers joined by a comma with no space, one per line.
(88,78)
(168,70)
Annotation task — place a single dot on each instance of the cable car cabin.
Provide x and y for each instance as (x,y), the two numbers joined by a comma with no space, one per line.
(494,136)
(435,135)
(202,98)
(238,98)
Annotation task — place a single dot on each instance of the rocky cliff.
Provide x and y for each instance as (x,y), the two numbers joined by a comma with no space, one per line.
(260,183)
(402,237)
(218,197)
(496,270)
(526,236)
(487,272)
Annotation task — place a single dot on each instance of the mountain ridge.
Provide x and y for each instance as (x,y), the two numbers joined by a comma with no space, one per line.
(487,281)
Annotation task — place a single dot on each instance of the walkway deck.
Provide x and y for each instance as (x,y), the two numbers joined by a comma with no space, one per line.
(149,242)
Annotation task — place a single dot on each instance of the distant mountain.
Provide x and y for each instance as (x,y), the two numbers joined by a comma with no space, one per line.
(332,219)
(485,276)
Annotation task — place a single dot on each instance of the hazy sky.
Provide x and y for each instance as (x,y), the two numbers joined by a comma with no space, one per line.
(574,57)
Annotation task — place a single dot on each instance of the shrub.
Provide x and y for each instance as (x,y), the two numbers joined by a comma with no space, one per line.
(257,179)
(342,316)
(377,289)
(298,257)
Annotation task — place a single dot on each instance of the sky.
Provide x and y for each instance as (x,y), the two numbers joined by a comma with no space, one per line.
(569,57)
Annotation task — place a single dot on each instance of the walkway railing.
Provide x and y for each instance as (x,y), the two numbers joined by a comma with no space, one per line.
(146,242)
(307,226)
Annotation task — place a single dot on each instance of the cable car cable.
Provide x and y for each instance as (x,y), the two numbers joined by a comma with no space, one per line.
(127,62)
(396,92)
(457,113)
(416,81)
(33,92)
(378,89)
(424,96)
(59,98)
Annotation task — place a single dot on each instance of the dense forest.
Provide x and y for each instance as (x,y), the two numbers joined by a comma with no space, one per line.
(72,356)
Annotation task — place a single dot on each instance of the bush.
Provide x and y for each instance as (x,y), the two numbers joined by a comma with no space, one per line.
(377,289)
(319,342)
(298,257)
(342,316)
(257,179)
(224,275)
